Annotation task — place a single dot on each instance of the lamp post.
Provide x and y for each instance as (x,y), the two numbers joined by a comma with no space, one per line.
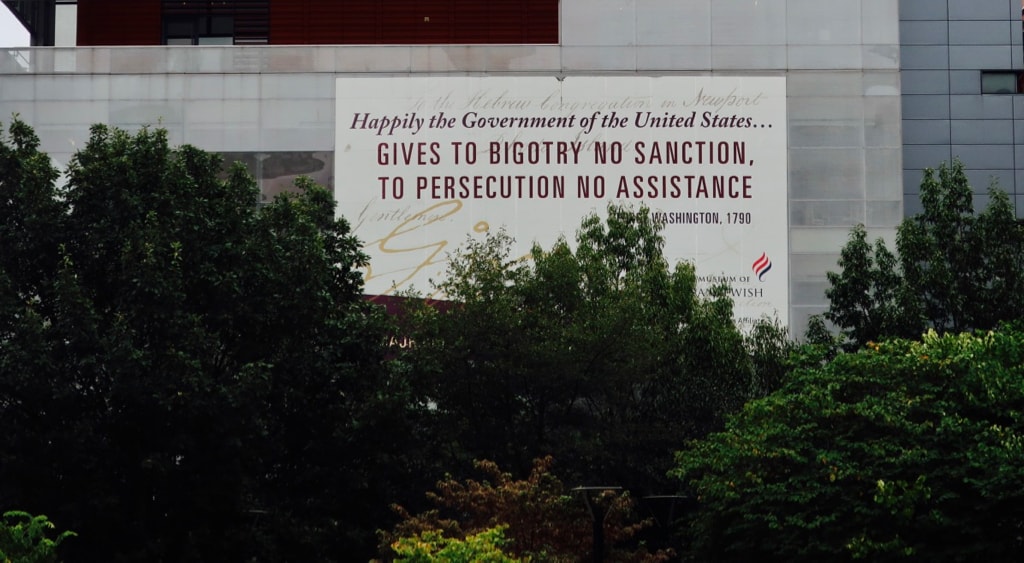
(597,513)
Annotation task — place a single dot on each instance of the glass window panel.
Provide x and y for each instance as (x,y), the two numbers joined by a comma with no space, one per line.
(998,82)
(216,41)
(179,27)
(222,25)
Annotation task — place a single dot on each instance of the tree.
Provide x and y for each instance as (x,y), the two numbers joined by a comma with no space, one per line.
(869,298)
(185,374)
(956,269)
(431,545)
(600,354)
(26,539)
(904,450)
(539,519)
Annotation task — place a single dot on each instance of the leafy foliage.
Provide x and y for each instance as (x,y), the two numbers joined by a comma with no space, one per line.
(601,355)
(956,269)
(188,375)
(184,374)
(541,520)
(869,297)
(903,450)
(484,547)
(26,539)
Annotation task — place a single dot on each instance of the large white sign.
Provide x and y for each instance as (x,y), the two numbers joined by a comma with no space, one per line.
(422,162)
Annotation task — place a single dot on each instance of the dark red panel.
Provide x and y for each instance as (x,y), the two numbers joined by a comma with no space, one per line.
(116,22)
(347,23)
(471,20)
(508,18)
(541,23)
(340,22)
(416,22)
(288,22)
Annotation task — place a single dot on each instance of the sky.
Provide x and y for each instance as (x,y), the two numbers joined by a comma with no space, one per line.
(12,34)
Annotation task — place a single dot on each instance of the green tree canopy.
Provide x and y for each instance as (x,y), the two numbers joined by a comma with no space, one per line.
(26,539)
(954,269)
(599,353)
(539,519)
(432,545)
(186,375)
(905,450)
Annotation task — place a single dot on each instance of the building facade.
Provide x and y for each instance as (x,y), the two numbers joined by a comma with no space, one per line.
(961,64)
(292,22)
(858,123)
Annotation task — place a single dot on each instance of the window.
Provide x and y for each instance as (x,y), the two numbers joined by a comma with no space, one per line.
(206,22)
(1002,82)
(199,30)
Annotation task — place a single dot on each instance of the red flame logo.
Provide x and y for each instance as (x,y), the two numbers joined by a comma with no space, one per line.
(761,266)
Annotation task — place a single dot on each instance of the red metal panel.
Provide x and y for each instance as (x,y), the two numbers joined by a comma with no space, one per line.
(541,22)
(508,19)
(115,22)
(325,22)
(288,22)
(416,22)
(351,23)
(305,22)
(505,21)
(362,23)
(471,20)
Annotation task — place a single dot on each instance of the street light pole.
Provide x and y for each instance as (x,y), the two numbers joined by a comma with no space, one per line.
(598,511)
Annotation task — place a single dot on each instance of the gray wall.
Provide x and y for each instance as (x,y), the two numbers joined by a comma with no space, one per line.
(945,45)
(840,57)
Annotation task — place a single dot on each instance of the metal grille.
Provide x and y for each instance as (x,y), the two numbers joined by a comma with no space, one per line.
(251,17)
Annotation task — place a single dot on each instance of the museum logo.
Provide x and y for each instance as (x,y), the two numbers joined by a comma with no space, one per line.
(761,266)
